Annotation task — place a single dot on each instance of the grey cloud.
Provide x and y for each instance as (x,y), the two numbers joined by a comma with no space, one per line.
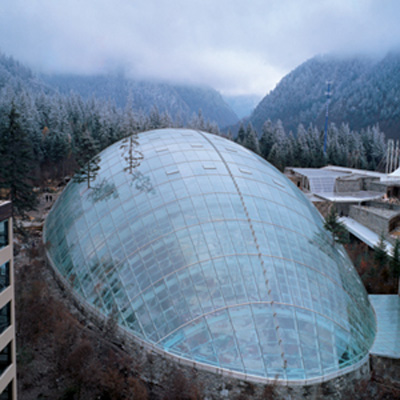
(234,46)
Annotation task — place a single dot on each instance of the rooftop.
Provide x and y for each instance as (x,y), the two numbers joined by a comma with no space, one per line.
(320,180)
(363,172)
(363,233)
(351,197)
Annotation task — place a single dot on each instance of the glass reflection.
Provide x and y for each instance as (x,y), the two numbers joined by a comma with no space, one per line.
(214,264)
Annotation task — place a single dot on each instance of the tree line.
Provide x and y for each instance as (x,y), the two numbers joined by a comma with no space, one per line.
(49,135)
(46,135)
(345,147)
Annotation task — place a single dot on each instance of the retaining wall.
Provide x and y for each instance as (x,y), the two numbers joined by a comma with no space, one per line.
(377,223)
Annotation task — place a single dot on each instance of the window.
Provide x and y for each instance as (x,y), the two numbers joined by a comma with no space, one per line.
(3,233)
(5,317)
(6,394)
(4,276)
(5,358)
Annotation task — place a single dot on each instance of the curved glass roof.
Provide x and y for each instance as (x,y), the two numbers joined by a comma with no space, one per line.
(208,252)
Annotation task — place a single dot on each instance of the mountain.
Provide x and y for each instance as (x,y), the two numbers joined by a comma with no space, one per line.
(365,91)
(178,100)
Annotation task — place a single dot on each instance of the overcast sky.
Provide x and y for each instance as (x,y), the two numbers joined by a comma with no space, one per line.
(235,46)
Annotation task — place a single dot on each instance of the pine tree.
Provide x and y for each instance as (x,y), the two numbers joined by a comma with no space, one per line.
(380,255)
(302,154)
(241,134)
(130,153)
(250,140)
(87,159)
(212,127)
(197,121)
(278,153)
(131,123)
(30,122)
(394,261)
(275,157)
(318,158)
(16,160)
(60,146)
(339,232)
(155,118)
(267,139)
(166,120)
(290,150)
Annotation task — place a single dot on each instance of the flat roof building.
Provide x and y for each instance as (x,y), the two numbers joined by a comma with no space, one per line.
(338,184)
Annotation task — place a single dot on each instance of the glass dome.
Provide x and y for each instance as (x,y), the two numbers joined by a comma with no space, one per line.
(208,252)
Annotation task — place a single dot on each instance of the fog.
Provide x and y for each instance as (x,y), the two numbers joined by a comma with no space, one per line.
(237,47)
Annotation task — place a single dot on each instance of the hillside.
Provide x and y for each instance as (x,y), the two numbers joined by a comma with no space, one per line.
(178,100)
(17,76)
(365,91)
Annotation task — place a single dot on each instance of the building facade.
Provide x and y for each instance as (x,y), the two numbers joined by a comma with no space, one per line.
(8,387)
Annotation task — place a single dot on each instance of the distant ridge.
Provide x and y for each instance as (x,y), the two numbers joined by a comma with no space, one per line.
(179,101)
(365,91)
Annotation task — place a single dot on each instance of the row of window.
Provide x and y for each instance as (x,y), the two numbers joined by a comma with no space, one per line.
(5,312)
(6,354)
(5,362)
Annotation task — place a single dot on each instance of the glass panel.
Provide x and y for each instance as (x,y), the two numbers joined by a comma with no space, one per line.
(3,233)
(4,276)
(5,317)
(7,393)
(228,271)
(5,358)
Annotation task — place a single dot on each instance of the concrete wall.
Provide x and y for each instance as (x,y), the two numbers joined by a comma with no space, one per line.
(349,185)
(374,186)
(375,222)
(359,183)
(383,205)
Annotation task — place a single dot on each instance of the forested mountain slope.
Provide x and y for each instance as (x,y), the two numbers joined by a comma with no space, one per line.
(46,134)
(53,133)
(365,92)
(179,101)
(17,76)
